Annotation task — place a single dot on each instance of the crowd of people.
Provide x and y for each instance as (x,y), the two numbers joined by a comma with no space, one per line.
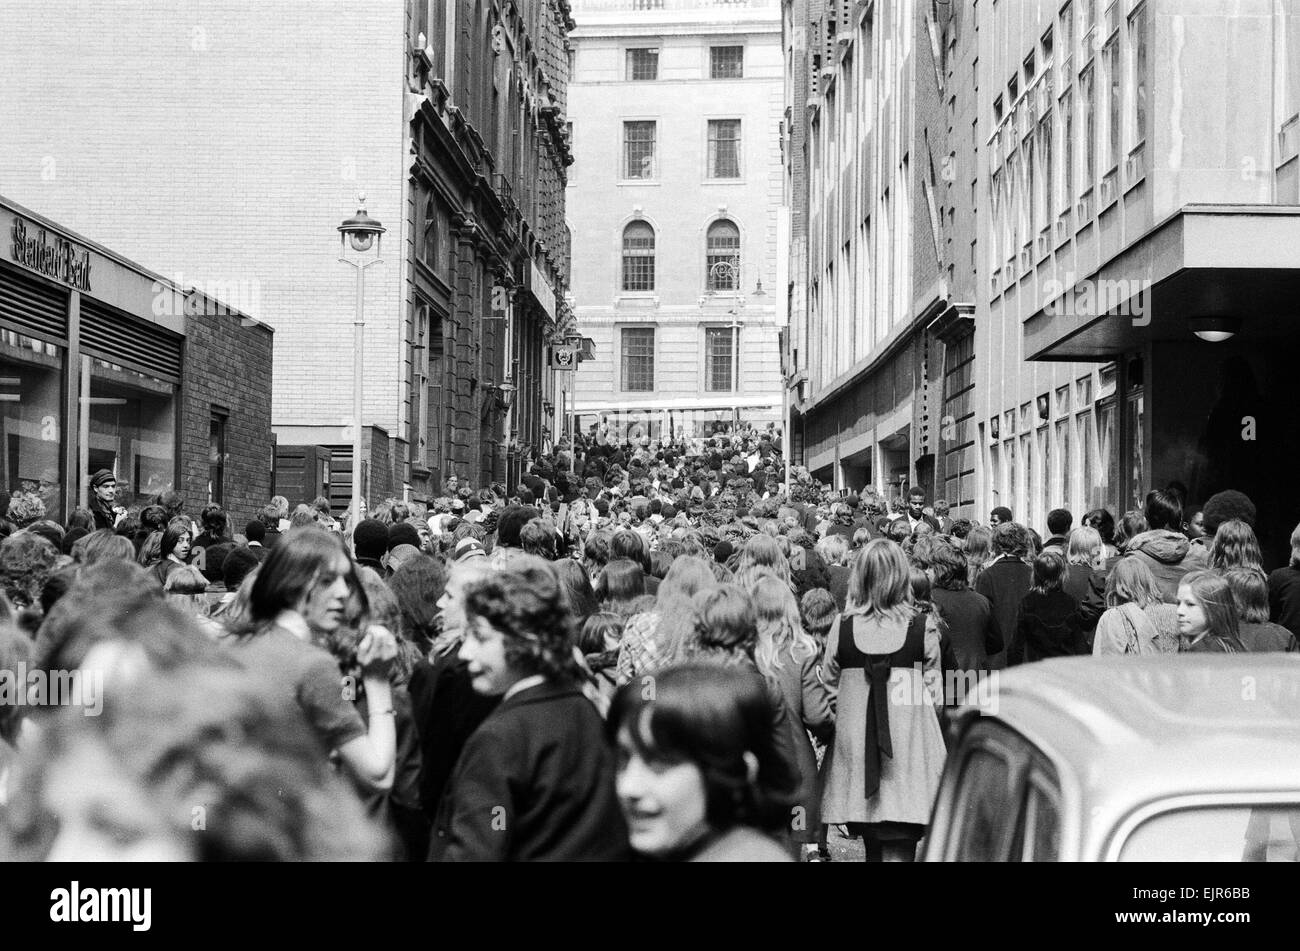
(660,651)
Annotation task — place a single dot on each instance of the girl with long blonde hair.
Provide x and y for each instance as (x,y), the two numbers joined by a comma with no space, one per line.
(781,637)
(888,755)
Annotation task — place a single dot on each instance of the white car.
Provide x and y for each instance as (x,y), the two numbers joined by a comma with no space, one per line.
(1176,758)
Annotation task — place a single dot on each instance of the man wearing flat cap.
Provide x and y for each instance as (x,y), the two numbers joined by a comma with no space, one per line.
(103,493)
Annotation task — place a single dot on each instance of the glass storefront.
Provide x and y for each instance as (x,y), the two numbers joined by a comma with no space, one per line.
(31,410)
(132,430)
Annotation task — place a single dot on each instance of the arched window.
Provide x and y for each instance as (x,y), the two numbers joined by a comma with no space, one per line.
(638,257)
(722,256)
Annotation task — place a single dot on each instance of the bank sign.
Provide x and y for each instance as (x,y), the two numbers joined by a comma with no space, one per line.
(51,255)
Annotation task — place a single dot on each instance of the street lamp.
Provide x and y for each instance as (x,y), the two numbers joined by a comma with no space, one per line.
(361,233)
(728,272)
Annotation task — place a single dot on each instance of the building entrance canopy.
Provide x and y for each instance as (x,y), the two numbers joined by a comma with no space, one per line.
(1237,262)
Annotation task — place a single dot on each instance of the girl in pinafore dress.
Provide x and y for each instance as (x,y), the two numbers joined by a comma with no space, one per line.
(888,753)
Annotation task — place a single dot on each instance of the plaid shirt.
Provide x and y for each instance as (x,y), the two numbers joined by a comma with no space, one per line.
(637,651)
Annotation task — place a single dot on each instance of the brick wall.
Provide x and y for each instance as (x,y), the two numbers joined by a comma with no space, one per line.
(228,367)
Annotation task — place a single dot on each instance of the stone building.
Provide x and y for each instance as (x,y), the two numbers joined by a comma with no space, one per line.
(675,204)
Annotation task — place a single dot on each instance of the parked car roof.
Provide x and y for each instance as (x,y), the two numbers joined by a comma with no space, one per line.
(1123,732)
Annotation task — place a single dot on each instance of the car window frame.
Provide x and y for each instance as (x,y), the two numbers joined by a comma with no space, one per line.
(1124,829)
(1049,790)
(1026,762)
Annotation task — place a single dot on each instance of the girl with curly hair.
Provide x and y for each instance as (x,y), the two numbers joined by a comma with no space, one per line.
(535,781)
(26,560)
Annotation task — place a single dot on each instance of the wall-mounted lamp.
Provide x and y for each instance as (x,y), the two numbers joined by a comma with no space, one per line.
(1214,329)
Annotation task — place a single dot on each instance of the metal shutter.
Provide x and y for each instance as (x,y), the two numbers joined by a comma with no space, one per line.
(33,307)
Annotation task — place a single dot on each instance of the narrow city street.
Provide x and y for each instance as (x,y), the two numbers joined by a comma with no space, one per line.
(649,431)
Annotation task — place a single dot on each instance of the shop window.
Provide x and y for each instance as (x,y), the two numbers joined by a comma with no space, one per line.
(1108,452)
(132,429)
(217,457)
(31,375)
(1136,449)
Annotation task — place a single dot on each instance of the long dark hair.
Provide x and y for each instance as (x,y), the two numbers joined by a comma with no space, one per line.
(621,582)
(418,584)
(176,529)
(577,586)
(710,715)
(302,559)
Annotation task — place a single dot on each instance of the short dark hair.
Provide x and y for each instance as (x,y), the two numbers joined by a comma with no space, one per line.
(817,611)
(1163,510)
(596,548)
(512,523)
(1049,570)
(213,520)
(1011,538)
(718,718)
(916,492)
(1059,521)
(538,537)
(1103,522)
(628,544)
(153,518)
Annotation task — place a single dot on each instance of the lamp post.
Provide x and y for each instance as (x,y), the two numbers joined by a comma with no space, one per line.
(730,270)
(361,233)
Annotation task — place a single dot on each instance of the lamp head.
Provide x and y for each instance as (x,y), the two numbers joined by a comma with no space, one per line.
(1215,329)
(361,231)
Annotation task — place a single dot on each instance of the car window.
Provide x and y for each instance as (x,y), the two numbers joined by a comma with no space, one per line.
(985,807)
(1043,842)
(1217,834)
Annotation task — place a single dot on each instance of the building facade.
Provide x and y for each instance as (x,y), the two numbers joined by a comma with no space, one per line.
(447,115)
(1093,189)
(675,205)
(105,365)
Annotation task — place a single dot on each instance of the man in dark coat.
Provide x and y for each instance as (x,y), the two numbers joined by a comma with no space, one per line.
(103,492)
(571,811)
(1005,582)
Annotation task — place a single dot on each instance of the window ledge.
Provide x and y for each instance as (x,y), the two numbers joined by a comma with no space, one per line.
(1135,169)
(1108,194)
(638,182)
